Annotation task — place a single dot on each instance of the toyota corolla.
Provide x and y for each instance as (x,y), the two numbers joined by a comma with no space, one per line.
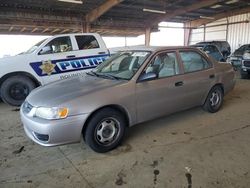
(129,88)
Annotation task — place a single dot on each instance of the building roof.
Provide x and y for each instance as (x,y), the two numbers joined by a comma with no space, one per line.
(110,17)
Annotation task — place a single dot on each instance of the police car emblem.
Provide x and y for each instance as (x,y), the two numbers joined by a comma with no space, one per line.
(47,67)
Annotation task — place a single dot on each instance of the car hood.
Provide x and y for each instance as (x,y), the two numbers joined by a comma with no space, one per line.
(60,92)
(13,59)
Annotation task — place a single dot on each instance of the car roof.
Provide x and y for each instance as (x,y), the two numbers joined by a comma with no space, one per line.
(200,45)
(155,48)
(215,42)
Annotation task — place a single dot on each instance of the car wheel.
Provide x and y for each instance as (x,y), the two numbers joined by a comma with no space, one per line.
(105,130)
(214,100)
(15,89)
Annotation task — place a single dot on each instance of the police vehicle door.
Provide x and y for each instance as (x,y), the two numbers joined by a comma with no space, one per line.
(60,58)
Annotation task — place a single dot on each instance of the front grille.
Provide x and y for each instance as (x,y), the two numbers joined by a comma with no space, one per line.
(246,63)
(27,107)
(42,137)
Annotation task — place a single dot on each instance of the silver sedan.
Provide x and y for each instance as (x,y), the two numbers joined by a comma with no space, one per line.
(129,88)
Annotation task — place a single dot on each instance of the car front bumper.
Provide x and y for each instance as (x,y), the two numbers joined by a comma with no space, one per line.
(245,68)
(245,71)
(53,132)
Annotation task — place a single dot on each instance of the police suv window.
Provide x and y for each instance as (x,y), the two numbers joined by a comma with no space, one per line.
(57,45)
(86,42)
(193,61)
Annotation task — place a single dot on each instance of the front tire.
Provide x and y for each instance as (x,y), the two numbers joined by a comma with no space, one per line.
(105,130)
(15,89)
(214,100)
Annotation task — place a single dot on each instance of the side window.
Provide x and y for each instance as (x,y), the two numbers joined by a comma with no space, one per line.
(193,61)
(164,65)
(243,48)
(207,49)
(214,49)
(57,45)
(86,42)
(210,49)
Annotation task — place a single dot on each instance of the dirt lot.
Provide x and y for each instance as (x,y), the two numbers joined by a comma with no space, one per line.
(154,154)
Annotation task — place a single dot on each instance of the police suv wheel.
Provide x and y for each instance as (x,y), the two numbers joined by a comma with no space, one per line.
(15,89)
(105,130)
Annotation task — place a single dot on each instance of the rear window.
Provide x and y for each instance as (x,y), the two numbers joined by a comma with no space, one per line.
(193,61)
(86,42)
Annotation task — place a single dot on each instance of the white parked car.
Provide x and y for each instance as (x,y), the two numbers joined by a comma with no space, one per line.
(55,58)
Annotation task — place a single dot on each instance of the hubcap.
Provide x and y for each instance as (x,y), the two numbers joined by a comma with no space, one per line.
(19,91)
(215,98)
(107,131)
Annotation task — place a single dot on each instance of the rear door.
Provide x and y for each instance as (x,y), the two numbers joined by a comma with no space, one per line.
(198,77)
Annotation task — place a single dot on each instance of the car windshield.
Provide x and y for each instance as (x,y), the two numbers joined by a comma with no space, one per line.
(243,48)
(33,48)
(122,65)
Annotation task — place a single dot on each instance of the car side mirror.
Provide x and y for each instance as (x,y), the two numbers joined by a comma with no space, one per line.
(147,76)
(45,50)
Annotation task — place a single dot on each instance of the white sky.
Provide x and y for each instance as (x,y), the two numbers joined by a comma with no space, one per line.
(15,44)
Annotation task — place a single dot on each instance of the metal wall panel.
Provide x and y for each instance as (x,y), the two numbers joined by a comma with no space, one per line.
(197,35)
(237,34)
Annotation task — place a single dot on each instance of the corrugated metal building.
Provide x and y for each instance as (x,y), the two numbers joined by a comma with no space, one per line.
(235,29)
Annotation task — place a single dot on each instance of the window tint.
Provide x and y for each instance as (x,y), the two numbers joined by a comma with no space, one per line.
(57,45)
(164,65)
(193,61)
(211,49)
(86,42)
(244,48)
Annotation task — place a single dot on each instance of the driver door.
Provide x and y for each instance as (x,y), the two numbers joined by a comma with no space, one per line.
(164,94)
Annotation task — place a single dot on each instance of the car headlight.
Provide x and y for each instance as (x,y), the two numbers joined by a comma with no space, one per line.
(234,58)
(51,113)
(246,55)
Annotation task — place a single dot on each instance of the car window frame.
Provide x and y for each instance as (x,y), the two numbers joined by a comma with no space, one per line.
(86,35)
(152,58)
(200,53)
(40,49)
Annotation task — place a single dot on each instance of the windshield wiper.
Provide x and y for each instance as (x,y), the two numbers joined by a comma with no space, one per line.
(110,76)
(92,73)
(113,77)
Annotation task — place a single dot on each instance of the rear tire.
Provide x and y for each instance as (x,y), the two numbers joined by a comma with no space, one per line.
(214,100)
(15,89)
(105,130)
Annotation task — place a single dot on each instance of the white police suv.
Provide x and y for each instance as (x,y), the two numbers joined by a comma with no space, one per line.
(55,58)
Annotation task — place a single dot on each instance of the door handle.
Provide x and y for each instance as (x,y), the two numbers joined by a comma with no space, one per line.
(177,84)
(101,52)
(70,56)
(211,76)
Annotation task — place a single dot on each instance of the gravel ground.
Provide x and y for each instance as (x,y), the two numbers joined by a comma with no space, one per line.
(188,149)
